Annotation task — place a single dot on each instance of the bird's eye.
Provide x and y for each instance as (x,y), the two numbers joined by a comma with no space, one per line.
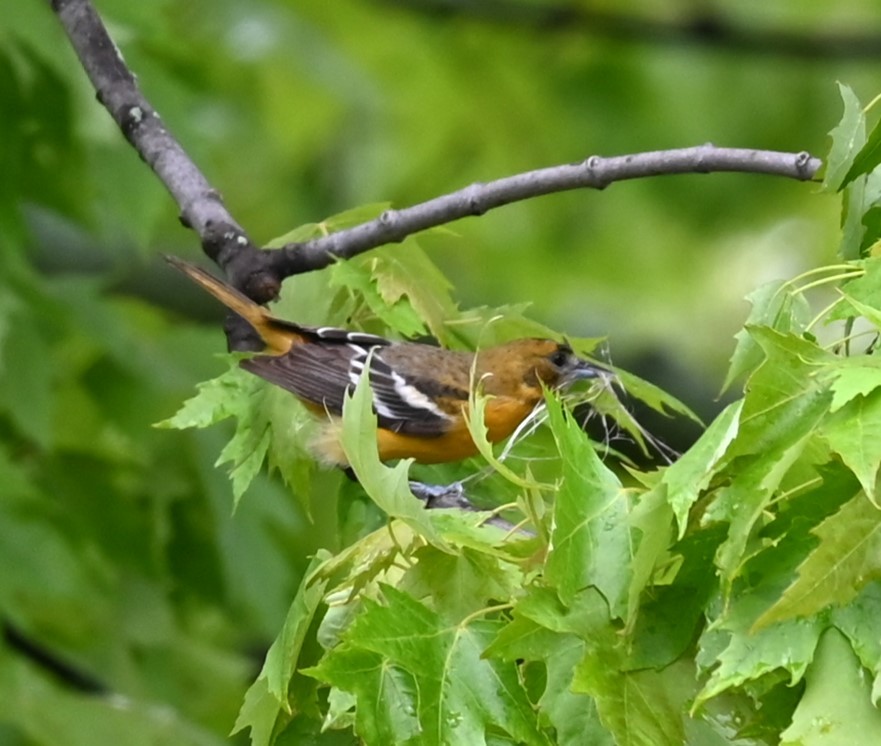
(561,357)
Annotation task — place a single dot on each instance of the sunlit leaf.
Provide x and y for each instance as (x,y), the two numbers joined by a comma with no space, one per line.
(852,377)
(590,536)
(848,138)
(460,693)
(685,479)
(869,155)
(774,306)
(387,486)
(405,272)
(398,314)
(854,433)
(638,707)
(217,399)
(456,585)
(476,422)
(865,289)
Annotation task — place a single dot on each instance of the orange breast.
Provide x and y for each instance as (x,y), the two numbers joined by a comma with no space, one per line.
(502,416)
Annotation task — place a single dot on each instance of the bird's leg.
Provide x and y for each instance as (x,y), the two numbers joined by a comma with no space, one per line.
(441,495)
(446,496)
(453,496)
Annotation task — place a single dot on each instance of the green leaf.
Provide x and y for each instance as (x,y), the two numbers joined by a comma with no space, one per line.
(652,518)
(260,711)
(785,396)
(773,306)
(643,708)
(869,155)
(460,693)
(743,502)
(283,656)
(854,433)
(858,621)
(587,615)
(787,646)
(388,487)
(216,400)
(653,396)
(853,377)
(860,224)
(605,403)
(785,401)
(267,699)
(523,638)
(691,474)
(344,219)
(269,422)
(865,289)
(675,607)
(386,696)
(848,138)
(340,710)
(836,707)
(246,451)
(397,313)
(291,429)
(590,539)
(406,272)
(870,313)
(846,559)
(573,715)
(476,421)
(457,585)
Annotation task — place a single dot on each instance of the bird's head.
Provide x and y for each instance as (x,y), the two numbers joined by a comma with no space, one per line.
(557,365)
(531,363)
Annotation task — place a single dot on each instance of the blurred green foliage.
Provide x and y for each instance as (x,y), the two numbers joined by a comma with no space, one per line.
(120,557)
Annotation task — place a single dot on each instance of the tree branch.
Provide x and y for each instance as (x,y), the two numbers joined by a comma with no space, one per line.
(594,173)
(259,272)
(704,27)
(201,206)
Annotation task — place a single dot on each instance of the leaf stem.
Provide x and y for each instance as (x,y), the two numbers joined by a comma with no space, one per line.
(483,612)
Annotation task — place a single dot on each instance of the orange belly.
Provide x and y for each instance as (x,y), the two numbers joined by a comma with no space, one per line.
(502,416)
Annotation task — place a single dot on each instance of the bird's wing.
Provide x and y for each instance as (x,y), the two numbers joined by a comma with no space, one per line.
(323,372)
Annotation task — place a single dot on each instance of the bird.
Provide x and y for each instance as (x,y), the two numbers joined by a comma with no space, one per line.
(420,392)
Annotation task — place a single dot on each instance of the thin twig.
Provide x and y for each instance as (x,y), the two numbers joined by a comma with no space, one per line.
(593,173)
(201,207)
(259,272)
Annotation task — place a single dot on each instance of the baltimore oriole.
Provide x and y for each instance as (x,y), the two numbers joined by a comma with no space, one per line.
(420,392)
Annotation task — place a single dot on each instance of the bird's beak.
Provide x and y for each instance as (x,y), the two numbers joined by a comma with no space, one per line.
(580,370)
